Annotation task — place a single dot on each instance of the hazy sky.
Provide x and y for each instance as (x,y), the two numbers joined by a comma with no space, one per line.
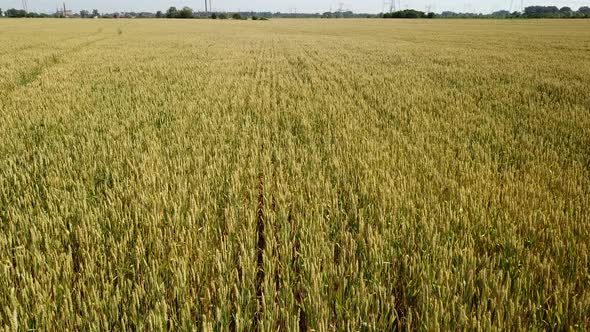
(308,6)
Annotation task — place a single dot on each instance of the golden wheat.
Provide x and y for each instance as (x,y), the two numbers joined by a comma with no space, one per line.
(294,175)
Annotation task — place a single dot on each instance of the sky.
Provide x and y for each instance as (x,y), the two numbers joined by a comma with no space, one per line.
(286,6)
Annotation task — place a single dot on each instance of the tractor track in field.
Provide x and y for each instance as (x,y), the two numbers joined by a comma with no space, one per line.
(267,225)
(32,74)
(260,247)
(61,40)
(32,46)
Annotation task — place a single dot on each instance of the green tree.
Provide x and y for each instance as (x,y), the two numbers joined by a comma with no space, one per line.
(408,13)
(1,13)
(541,11)
(16,13)
(185,12)
(584,11)
(95,13)
(237,16)
(159,14)
(172,12)
(84,14)
(566,12)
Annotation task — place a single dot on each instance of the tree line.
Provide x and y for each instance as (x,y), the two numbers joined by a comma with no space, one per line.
(188,13)
(21,13)
(409,13)
(554,12)
(172,12)
(529,12)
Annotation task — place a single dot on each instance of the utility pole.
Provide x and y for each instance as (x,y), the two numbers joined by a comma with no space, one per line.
(65,10)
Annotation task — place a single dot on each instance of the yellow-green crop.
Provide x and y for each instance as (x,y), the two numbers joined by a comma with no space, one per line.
(328,175)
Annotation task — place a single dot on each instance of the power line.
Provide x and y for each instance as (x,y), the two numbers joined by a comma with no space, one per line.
(391,4)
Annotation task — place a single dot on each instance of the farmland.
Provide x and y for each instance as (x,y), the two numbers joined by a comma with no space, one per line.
(294,175)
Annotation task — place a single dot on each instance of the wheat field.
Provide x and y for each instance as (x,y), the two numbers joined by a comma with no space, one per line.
(312,175)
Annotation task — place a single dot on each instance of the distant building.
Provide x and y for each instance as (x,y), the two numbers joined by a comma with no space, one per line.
(66,13)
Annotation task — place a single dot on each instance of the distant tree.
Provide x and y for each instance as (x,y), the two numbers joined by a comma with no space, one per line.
(237,16)
(185,12)
(541,11)
(16,13)
(84,14)
(172,12)
(214,16)
(501,13)
(584,11)
(431,15)
(159,14)
(565,11)
(223,16)
(1,13)
(254,18)
(95,13)
(408,13)
(347,14)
